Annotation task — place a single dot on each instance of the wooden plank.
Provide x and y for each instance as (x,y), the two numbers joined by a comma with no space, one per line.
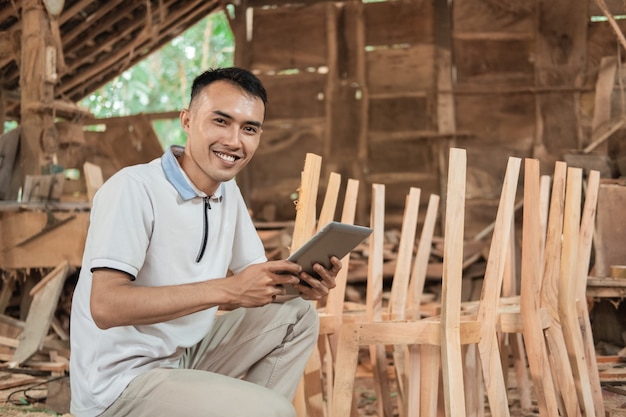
(40,315)
(336,297)
(494,62)
(530,293)
(64,268)
(420,266)
(610,239)
(587,226)
(304,226)
(400,286)
(390,114)
(493,374)
(506,16)
(557,350)
(65,242)
(567,291)
(404,261)
(284,38)
(395,22)
(295,95)
(19,381)
(412,67)
(451,285)
(505,120)
(93,178)
(374,296)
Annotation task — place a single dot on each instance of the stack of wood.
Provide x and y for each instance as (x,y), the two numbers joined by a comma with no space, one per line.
(35,352)
(41,342)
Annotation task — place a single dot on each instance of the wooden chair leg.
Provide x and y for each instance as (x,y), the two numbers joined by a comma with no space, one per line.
(557,351)
(530,294)
(374,295)
(347,358)
(430,359)
(584,254)
(521,370)
(474,391)
(451,358)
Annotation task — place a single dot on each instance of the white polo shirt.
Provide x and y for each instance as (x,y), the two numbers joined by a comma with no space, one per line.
(148,220)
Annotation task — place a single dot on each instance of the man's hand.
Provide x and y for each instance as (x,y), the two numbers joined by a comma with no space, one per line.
(318,288)
(260,284)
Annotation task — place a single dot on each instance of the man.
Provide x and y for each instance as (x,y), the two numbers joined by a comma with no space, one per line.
(163,236)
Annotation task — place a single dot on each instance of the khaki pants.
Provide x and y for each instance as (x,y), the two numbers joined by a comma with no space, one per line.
(249,365)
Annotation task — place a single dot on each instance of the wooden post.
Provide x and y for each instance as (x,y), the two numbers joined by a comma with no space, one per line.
(37,76)
(561,52)
(446,114)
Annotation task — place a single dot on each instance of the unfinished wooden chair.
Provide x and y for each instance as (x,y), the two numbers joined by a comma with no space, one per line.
(572,308)
(547,302)
(441,337)
(407,284)
(332,313)
(310,399)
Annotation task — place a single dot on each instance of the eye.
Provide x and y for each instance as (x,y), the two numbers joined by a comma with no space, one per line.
(219,120)
(251,129)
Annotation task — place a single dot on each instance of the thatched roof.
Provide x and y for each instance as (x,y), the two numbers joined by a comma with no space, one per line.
(100,39)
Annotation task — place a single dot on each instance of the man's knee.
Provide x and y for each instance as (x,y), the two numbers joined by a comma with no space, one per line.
(281,407)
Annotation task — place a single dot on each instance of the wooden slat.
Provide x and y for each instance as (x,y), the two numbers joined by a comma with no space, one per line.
(488,348)
(451,357)
(584,254)
(404,260)
(530,293)
(420,266)
(304,226)
(557,351)
(40,315)
(567,290)
(374,296)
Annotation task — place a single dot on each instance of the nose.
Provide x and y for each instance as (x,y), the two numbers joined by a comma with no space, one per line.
(231,138)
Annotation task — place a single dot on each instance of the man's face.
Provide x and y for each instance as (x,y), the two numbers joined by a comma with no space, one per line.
(223,126)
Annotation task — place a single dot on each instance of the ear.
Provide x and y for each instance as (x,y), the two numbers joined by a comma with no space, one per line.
(185,120)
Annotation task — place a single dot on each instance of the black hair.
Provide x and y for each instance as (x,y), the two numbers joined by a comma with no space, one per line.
(240,77)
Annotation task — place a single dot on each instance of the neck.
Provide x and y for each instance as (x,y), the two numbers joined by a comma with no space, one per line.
(196,175)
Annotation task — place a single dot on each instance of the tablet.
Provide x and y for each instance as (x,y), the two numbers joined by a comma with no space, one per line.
(334,239)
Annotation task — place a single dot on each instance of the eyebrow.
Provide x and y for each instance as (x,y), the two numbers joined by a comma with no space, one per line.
(228,116)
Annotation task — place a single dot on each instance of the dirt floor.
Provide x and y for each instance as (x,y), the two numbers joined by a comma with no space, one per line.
(29,397)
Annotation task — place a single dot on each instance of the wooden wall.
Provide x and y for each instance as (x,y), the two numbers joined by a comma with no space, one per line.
(382,89)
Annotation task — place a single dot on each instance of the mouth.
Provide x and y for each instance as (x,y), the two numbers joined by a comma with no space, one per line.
(227,157)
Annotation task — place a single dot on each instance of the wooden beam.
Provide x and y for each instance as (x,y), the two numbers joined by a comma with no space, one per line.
(33,85)
(130,54)
(65,242)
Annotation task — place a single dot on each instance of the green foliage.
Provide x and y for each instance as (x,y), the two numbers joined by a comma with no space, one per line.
(162,81)
(10,125)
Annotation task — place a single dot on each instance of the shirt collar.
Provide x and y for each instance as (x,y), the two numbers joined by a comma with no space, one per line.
(179,180)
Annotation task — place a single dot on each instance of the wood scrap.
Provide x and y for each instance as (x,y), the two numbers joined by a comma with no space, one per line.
(40,314)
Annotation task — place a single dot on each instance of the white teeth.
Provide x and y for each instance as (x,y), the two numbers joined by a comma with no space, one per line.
(226,157)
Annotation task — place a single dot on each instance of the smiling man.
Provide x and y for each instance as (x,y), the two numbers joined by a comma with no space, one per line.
(163,236)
